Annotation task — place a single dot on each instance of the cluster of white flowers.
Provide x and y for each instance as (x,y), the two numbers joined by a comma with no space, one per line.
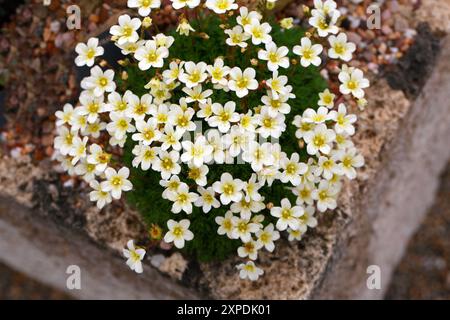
(168,133)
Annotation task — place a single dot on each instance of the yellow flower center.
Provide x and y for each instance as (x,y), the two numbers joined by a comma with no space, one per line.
(167,163)
(291,168)
(116,181)
(319,140)
(228,189)
(103,81)
(90,53)
(177,231)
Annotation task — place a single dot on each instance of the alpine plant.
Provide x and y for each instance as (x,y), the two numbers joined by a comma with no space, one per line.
(180,128)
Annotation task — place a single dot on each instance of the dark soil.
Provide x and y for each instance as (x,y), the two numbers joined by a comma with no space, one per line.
(416,64)
(17,286)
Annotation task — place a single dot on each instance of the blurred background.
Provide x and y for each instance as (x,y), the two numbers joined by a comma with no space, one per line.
(36,78)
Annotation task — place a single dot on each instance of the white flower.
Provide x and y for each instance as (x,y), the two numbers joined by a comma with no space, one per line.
(170,185)
(145,156)
(182,119)
(171,138)
(308,219)
(85,170)
(145,6)
(260,32)
(237,37)
(229,188)
(150,55)
(249,249)
(325,23)
(94,129)
(134,256)
(182,199)
(295,234)
(251,188)
(98,157)
(241,82)
(198,152)
(353,82)
(244,18)
(319,140)
(64,116)
(267,236)
(163,41)
(309,53)
(319,116)
(205,109)
(287,215)
(116,182)
(119,125)
(226,224)
(243,229)
(248,121)
(130,47)
(78,150)
(250,271)
(207,200)
(326,99)
(270,125)
(218,72)
(237,140)
(117,103)
(113,141)
(98,195)
(303,127)
(167,163)
(246,208)
(292,169)
(344,122)
(178,232)
(178,4)
(304,193)
(349,160)
(276,105)
(147,132)
(221,6)
(278,85)
(340,48)
(126,31)
(325,195)
(258,155)
(326,6)
(197,94)
(216,141)
(287,23)
(160,113)
(223,115)
(198,174)
(275,57)
(194,75)
(184,27)
(173,73)
(326,167)
(91,106)
(79,121)
(99,81)
(88,52)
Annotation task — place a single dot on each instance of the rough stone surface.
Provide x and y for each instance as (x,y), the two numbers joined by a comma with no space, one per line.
(395,201)
(44,250)
(424,272)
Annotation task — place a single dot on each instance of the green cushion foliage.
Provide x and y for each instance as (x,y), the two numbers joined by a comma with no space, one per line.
(207,245)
